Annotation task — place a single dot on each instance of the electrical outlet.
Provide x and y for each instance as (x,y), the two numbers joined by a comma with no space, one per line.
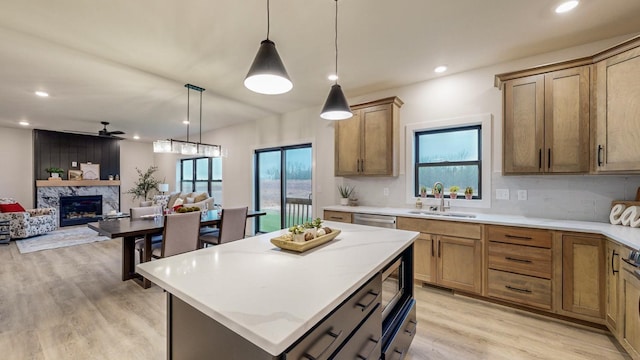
(385,191)
(522,194)
(502,194)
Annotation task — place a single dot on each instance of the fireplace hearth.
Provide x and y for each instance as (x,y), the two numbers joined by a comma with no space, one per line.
(77,210)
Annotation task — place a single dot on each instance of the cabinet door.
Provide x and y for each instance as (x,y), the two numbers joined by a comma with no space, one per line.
(424,264)
(566,120)
(617,145)
(347,145)
(459,263)
(583,270)
(377,143)
(631,303)
(613,285)
(523,130)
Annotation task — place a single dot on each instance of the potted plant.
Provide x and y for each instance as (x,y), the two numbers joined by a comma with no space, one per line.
(423,191)
(453,191)
(345,193)
(437,190)
(468,193)
(55,172)
(145,184)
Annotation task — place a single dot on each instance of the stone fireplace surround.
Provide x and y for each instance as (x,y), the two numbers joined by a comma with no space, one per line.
(48,192)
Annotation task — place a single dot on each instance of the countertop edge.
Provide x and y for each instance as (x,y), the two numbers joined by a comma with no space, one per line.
(624,235)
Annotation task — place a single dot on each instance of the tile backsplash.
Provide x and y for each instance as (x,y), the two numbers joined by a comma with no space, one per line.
(571,197)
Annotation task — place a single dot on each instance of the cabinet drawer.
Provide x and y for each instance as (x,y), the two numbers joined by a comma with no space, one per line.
(401,340)
(337,216)
(525,260)
(331,332)
(521,236)
(365,342)
(442,227)
(522,289)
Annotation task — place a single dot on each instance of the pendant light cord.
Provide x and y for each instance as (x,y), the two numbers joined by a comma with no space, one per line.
(268,21)
(188,120)
(336,41)
(200,141)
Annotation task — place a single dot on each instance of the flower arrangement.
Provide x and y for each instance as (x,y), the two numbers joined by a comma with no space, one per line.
(437,190)
(423,191)
(453,191)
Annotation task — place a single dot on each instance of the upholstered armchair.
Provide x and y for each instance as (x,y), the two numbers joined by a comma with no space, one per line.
(24,224)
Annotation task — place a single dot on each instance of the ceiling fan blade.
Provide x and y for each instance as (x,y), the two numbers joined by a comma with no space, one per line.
(117,132)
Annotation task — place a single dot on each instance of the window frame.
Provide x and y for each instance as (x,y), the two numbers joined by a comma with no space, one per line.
(407,160)
(453,128)
(194,179)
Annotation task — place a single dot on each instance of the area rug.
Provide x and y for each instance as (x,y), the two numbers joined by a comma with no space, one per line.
(59,238)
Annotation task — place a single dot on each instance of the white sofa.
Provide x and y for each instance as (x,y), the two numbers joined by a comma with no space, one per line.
(30,222)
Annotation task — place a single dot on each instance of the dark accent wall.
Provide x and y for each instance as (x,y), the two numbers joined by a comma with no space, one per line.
(58,149)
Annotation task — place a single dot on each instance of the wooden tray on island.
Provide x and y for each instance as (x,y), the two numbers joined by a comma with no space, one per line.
(300,247)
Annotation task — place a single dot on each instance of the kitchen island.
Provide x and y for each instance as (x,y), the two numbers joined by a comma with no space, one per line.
(250,300)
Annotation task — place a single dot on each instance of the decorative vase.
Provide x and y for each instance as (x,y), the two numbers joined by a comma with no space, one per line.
(55,175)
(453,195)
(437,195)
(344,201)
(423,194)
(468,196)
(298,238)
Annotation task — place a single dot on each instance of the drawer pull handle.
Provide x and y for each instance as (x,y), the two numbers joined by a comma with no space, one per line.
(613,254)
(320,355)
(600,148)
(401,353)
(518,237)
(372,342)
(518,260)
(373,295)
(412,331)
(335,217)
(517,289)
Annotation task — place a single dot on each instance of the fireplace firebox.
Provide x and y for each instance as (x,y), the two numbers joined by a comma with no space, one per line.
(77,210)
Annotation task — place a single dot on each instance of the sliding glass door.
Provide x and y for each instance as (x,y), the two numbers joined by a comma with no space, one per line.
(284,195)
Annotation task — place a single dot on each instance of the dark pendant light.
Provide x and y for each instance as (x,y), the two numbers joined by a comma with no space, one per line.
(336,107)
(267,74)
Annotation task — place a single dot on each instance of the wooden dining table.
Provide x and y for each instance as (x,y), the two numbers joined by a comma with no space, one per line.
(130,230)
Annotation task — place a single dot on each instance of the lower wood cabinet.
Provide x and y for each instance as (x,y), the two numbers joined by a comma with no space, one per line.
(583,276)
(630,327)
(446,253)
(521,289)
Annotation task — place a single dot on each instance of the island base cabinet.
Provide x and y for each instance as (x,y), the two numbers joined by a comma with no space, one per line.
(193,335)
(401,340)
(365,344)
(631,308)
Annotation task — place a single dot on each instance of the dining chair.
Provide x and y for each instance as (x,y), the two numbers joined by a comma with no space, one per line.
(137,213)
(232,227)
(180,234)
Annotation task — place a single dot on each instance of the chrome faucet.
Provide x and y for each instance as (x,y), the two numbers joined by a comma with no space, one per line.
(441,204)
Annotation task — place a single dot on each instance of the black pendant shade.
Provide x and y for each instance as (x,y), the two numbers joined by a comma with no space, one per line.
(336,107)
(267,74)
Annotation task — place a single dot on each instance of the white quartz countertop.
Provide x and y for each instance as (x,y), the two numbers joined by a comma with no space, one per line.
(272,297)
(623,234)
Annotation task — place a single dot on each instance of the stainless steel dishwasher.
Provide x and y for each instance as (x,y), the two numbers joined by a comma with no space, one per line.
(385,221)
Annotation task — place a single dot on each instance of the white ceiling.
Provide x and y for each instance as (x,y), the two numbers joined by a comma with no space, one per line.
(126,61)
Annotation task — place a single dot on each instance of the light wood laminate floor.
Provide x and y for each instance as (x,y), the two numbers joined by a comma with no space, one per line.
(70,303)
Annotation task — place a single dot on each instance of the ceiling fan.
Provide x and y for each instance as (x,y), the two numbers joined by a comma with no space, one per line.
(103,132)
(107,133)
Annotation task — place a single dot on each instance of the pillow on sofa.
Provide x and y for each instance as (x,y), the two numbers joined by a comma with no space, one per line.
(201,197)
(15,207)
(189,200)
(7,201)
(172,199)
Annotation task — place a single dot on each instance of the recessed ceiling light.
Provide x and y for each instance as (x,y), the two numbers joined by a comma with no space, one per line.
(24,123)
(333,77)
(440,69)
(185,122)
(136,137)
(42,93)
(567,6)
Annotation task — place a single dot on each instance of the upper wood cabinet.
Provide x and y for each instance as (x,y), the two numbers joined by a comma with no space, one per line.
(368,143)
(617,120)
(546,123)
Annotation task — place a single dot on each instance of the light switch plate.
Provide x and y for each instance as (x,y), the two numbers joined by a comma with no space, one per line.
(74,164)
(502,194)
(522,194)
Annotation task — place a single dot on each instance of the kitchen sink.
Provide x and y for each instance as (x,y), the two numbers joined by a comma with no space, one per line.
(442,213)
